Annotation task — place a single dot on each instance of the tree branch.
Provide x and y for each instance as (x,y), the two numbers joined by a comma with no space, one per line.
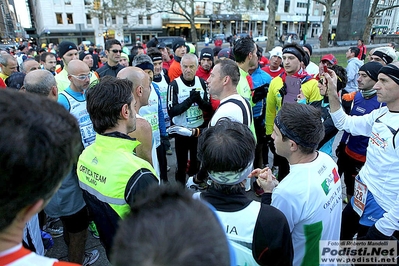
(385,8)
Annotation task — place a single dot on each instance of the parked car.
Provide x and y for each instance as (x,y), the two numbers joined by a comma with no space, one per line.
(242,35)
(260,38)
(168,40)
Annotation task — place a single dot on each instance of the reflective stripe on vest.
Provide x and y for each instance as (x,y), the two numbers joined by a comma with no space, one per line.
(100,196)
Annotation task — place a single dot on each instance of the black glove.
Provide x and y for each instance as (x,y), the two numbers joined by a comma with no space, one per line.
(260,93)
(195,96)
(268,138)
(340,149)
(374,234)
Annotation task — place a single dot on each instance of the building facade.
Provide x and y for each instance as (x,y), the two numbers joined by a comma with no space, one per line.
(97,20)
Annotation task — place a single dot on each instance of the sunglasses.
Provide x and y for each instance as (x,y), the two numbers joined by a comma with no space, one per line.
(116,51)
(82,77)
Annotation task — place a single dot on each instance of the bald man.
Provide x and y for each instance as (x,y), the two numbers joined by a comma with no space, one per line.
(29,65)
(68,202)
(143,132)
(41,82)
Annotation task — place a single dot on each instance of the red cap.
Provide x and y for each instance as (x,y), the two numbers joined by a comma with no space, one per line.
(330,58)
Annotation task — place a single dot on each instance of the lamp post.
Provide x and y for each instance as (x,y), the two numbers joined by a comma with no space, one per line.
(106,33)
(306,22)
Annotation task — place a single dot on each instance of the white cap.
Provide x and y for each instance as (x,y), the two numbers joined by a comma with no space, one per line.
(276,51)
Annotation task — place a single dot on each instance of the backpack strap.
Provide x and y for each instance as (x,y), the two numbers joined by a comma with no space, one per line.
(245,117)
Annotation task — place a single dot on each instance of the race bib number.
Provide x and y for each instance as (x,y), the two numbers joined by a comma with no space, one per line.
(360,196)
(153,120)
(194,113)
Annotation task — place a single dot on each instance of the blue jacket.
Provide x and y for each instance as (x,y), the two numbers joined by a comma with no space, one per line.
(259,78)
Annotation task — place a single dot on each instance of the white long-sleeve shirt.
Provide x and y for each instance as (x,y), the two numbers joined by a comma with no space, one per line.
(380,173)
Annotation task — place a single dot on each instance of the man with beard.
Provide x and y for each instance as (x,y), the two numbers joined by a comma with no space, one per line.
(206,63)
(49,62)
(110,174)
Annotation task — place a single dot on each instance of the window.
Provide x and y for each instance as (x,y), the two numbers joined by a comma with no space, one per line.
(124,19)
(141,19)
(67,2)
(69,18)
(58,17)
(113,19)
(287,6)
(88,19)
(301,5)
(148,20)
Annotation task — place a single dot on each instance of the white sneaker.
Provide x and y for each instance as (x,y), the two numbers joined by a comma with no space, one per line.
(91,257)
(194,186)
(191,185)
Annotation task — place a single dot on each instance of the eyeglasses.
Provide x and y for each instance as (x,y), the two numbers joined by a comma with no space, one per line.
(116,51)
(82,77)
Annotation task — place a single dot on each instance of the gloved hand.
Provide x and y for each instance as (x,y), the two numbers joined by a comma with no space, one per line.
(195,96)
(260,93)
(374,234)
(340,149)
(180,131)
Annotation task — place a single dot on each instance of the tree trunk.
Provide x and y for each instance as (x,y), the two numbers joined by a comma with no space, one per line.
(326,26)
(369,22)
(271,24)
(193,30)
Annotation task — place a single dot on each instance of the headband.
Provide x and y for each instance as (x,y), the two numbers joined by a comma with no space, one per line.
(156,58)
(290,134)
(386,58)
(391,71)
(294,51)
(231,177)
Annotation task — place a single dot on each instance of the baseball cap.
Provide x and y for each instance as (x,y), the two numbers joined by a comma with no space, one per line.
(330,58)
(226,53)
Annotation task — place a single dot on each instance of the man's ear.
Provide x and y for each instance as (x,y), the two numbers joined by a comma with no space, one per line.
(139,90)
(293,145)
(125,111)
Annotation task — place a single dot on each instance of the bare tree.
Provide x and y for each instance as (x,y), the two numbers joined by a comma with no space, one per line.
(326,23)
(271,24)
(370,18)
